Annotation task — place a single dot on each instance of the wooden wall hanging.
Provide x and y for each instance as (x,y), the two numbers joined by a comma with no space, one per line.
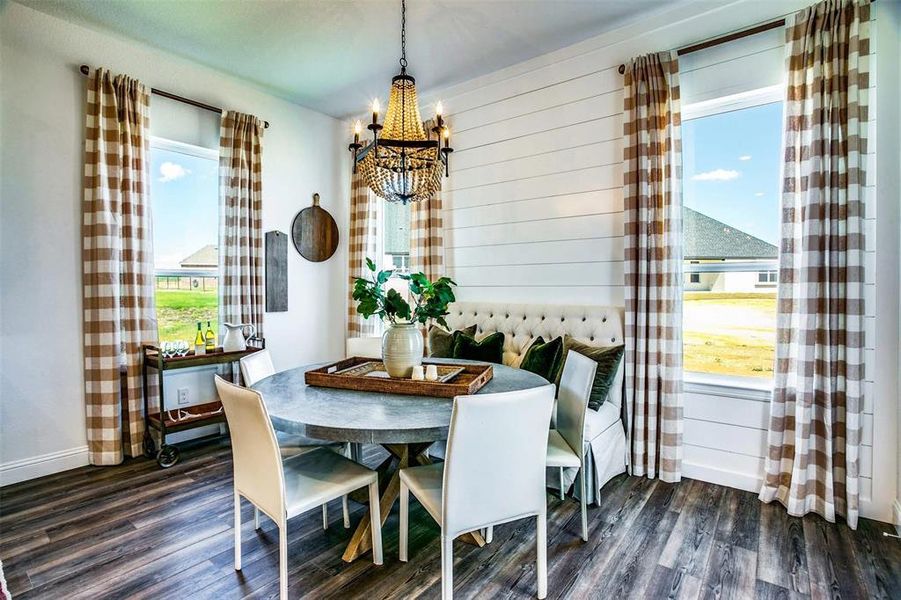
(315,232)
(276,271)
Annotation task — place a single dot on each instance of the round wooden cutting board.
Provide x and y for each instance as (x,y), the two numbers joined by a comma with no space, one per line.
(315,232)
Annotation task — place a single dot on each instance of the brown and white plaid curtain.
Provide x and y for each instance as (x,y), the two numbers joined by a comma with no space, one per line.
(815,414)
(362,244)
(427,233)
(652,187)
(241,220)
(117,263)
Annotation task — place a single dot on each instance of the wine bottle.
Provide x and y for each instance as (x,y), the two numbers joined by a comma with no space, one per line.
(210,338)
(199,341)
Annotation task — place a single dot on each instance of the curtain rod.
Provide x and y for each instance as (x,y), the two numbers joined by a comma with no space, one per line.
(86,70)
(730,37)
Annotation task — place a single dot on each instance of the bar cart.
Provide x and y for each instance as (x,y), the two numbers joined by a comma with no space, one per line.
(190,417)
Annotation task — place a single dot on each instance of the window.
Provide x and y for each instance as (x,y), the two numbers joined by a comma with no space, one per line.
(396,236)
(184,193)
(731,154)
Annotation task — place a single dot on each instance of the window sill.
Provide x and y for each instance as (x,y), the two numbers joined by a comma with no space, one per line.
(745,388)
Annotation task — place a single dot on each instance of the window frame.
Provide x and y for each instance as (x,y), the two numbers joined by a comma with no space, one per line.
(732,386)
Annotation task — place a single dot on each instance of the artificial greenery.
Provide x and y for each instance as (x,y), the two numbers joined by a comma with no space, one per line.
(430,298)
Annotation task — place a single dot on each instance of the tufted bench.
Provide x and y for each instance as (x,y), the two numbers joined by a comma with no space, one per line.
(594,325)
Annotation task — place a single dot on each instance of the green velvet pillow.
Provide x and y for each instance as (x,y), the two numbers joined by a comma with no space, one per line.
(544,358)
(489,349)
(441,342)
(608,359)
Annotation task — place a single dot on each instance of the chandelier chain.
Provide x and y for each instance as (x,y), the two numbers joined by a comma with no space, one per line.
(403,34)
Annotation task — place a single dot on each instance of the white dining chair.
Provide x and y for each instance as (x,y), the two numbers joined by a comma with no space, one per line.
(494,473)
(285,487)
(566,443)
(258,366)
(367,347)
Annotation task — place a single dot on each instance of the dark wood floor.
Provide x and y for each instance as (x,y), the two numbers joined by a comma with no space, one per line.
(135,531)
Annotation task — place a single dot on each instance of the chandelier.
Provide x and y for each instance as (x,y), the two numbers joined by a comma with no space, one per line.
(402,163)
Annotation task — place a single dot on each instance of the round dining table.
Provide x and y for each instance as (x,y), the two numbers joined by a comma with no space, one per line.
(404,425)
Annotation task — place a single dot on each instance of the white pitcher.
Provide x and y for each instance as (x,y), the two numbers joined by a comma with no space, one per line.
(234,337)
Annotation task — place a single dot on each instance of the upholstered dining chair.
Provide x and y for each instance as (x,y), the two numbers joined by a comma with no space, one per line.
(368,347)
(566,443)
(494,473)
(284,487)
(257,366)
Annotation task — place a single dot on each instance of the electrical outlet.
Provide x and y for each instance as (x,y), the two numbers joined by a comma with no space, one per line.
(182,396)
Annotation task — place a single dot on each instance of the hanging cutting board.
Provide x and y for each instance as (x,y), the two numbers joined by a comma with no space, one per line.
(315,233)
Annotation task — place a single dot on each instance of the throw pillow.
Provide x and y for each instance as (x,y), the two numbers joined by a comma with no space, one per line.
(441,342)
(608,359)
(488,349)
(544,358)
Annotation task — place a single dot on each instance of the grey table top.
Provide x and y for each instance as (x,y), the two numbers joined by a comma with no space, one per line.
(369,417)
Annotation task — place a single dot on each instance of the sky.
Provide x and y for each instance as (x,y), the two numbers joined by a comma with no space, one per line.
(185,197)
(731,164)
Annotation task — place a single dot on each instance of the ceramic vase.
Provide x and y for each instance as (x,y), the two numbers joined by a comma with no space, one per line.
(401,349)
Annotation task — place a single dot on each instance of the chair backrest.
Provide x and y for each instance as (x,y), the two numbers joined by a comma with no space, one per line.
(572,399)
(367,347)
(496,455)
(255,452)
(256,366)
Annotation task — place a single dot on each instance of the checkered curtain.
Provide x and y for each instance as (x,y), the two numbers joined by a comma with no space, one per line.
(427,233)
(241,221)
(117,264)
(362,244)
(815,414)
(652,186)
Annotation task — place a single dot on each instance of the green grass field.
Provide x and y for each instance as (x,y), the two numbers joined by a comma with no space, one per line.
(729,334)
(178,312)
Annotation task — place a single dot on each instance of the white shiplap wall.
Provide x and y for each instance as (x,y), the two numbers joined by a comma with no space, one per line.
(534,203)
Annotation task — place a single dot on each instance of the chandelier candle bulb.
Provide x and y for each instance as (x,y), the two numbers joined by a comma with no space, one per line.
(375,111)
(358,127)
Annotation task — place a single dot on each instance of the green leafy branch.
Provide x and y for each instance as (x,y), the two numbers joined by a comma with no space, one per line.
(430,299)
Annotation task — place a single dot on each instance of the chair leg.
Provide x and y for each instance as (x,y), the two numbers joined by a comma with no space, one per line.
(404,521)
(562,493)
(346,511)
(541,541)
(325,516)
(237,531)
(376,522)
(584,502)
(447,567)
(256,518)
(489,534)
(283,560)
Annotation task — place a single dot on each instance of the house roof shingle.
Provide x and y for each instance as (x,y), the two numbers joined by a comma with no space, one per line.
(208,256)
(707,238)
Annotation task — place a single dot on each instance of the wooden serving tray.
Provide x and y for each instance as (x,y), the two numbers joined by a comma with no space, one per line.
(354,373)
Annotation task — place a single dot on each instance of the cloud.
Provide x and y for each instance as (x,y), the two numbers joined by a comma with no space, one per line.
(744,157)
(759,194)
(170,171)
(716,175)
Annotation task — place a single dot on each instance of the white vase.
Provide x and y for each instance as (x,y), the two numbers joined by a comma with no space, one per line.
(401,349)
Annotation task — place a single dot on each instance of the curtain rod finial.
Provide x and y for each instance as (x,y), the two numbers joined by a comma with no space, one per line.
(622,69)
(84,69)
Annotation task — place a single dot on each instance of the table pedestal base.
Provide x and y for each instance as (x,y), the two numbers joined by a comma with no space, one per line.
(402,456)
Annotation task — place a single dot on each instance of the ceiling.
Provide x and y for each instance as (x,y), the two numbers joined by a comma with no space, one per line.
(335,55)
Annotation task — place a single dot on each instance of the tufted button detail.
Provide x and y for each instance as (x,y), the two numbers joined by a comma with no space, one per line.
(613,339)
(461,314)
(562,319)
(542,317)
(591,338)
(490,316)
(583,319)
(506,316)
(604,320)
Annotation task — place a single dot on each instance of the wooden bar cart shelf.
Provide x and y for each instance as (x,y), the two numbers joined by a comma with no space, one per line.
(166,421)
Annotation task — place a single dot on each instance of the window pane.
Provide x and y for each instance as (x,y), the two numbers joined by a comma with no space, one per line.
(731,229)
(185,202)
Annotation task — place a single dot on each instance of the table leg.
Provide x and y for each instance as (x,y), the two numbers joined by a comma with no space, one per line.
(402,456)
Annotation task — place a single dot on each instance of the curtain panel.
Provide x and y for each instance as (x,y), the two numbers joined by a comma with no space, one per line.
(427,232)
(241,221)
(653,265)
(117,264)
(362,244)
(813,459)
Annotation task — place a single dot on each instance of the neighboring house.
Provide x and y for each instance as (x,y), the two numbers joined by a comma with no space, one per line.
(205,258)
(711,244)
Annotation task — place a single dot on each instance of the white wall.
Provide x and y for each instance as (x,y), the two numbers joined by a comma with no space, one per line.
(41,134)
(534,213)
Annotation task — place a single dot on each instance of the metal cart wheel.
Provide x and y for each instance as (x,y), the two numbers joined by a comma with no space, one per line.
(167,456)
(149,445)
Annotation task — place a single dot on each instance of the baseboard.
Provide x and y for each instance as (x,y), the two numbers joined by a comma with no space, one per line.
(45,464)
(733,479)
(896,510)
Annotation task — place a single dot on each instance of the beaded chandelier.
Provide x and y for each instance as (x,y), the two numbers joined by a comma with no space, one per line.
(402,163)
